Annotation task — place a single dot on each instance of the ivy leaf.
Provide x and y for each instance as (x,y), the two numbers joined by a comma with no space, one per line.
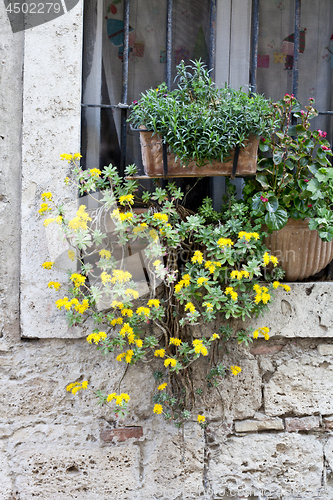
(276,220)
(277,157)
(262,179)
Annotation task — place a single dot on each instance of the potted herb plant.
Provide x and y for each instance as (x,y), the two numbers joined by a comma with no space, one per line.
(201,125)
(293,191)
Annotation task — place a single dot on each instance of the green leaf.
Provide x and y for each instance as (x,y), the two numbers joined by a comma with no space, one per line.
(277,157)
(276,220)
(272,204)
(262,179)
(263,147)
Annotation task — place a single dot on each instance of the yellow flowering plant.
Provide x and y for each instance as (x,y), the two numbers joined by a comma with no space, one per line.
(196,268)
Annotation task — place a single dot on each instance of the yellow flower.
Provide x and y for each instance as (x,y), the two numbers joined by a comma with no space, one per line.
(170,361)
(174,341)
(255,334)
(111,397)
(126,329)
(116,321)
(77,279)
(276,284)
(153,303)
(134,293)
(201,281)
(143,310)
(224,242)
(190,307)
(159,353)
(131,338)
(46,196)
(47,265)
(265,297)
(197,257)
(71,255)
(235,370)
(215,336)
(116,304)
(158,409)
(120,356)
(44,208)
(85,384)
(139,342)
(66,180)
(95,172)
(129,198)
(129,355)
(161,217)
(62,303)
(47,222)
(266,259)
(105,254)
(248,236)
(209,306)
(66,157)
(156,263)
(274,260)
(201,419)
(153,234)
(127,312)
(230,291)
(54,284)
(162,387)
(119,276)
(286,287)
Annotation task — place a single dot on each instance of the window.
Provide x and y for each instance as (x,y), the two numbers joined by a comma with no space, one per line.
(131,45)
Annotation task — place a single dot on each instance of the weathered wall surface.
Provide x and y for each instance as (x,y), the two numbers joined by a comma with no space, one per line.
(271,431)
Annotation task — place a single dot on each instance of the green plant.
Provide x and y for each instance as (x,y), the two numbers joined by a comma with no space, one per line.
(199,121)
(294,178)
(200,267)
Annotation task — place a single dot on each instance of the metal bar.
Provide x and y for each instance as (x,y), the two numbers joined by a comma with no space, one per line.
(296,46)
(212,38)
(254,45)
(168,50)
(124,85)
(325,112)
(106,106)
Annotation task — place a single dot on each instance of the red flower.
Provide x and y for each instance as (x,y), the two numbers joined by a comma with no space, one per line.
(321,133)
(306,180)
(263,199)
(325,148)
(309,205)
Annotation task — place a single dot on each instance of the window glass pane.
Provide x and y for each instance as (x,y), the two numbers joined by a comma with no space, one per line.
(276,49)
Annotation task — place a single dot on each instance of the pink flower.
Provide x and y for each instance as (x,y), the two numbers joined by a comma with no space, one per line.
(306,180)
(325,148)
(321,133)
(263,139)
(264,200)
(311,99)
(302,113)
(135,102)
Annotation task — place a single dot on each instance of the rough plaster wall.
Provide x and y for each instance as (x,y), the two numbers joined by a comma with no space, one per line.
(271,431)
(11,59)
(51,126)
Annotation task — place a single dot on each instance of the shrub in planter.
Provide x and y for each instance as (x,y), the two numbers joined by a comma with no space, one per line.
(200,269)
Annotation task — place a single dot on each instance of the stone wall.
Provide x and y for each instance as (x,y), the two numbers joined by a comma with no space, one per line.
(270,433)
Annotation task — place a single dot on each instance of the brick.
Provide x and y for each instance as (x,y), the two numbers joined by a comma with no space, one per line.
(121,434)
(325,349)
(266,349)
(302,424)
(328,422)
(262,425)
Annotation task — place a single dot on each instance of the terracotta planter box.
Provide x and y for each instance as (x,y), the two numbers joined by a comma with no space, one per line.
(301,252)
(152,159)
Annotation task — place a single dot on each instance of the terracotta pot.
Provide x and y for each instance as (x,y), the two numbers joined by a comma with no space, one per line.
(152,159)
(301,252)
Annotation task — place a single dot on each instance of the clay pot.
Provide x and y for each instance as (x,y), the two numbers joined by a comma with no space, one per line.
(301,252)
(152,159)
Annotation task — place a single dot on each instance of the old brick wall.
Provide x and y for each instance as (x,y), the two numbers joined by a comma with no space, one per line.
(270,435)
